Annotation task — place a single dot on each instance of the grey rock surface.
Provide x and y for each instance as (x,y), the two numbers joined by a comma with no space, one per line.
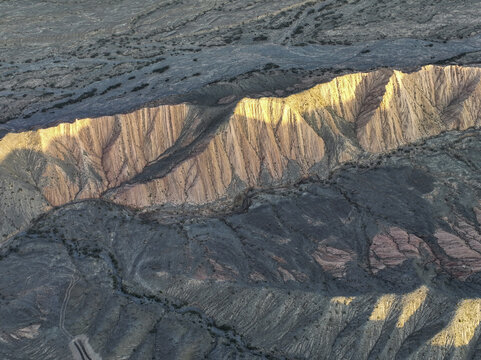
(62,61)
(295,274)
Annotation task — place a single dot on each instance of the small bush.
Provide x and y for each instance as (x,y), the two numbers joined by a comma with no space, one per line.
(270,66)
(140,87)
(260,38)
(161,69)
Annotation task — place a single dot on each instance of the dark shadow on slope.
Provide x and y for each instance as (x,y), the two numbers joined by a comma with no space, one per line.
(200,126)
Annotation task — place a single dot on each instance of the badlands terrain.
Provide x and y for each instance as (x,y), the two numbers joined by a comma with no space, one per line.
(240,179)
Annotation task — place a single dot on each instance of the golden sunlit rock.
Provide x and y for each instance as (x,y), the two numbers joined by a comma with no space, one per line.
(264,142)
(266,134)
(462,327)
(383,307)
(410,304)
(342,300)
(89,156)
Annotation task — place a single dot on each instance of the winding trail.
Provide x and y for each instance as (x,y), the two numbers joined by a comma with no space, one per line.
(79,345)
(63,309)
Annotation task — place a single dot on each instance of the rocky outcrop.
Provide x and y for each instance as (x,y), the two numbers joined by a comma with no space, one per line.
(460,255)
(422,104)
(394,247)
(50,167)
(83,159)
(264,142)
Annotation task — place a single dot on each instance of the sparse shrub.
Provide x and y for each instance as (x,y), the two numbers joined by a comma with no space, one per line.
(161,69)
(260,38)
(270,66)
(298,30)
(140,87)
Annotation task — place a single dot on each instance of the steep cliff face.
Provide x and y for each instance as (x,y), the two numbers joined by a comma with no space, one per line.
(273,140)
(53,166)
(422,104)
(262,142)
(83,159)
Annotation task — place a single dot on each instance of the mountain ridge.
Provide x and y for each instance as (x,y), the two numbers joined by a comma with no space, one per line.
(219,152)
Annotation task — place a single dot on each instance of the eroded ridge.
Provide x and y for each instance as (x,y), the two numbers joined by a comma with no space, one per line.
(263,142)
